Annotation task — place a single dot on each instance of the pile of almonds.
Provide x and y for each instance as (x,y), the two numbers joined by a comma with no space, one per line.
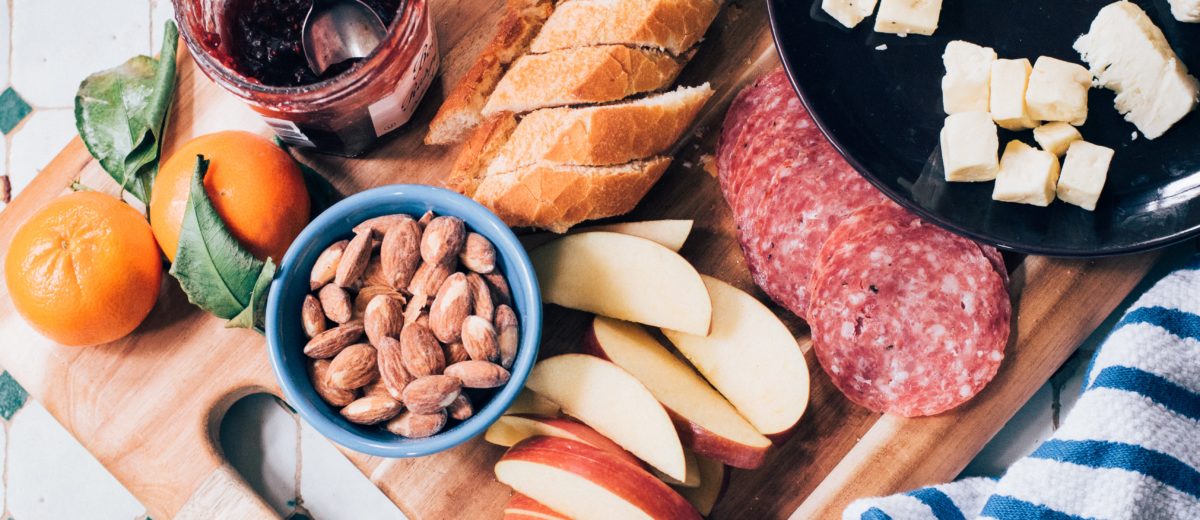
(419,313)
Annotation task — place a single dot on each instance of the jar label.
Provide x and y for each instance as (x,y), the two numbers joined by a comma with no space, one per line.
(288,132)
(397,108)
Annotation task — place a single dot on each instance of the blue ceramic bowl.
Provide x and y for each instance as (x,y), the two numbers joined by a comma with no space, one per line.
(286,339)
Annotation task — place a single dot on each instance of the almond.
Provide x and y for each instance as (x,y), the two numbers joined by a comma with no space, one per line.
(392,373)
(384,317)
(420,352)
(377,388)
(372,409)
(312,316)
(336,302)
(416,309)
(329,343)
(380,225)
(508,335)
(455,352)
(368,293)
(353,367)
(478,374)
(354,260)
(401,252)
(425,220)
(417,425)
(501,294)
(443,239)
(451,306)
(428,278)
(461,409)
(325,268)
(431,393)
(374,274)
(479,339)
(318,374)
(478,254)
(481,297)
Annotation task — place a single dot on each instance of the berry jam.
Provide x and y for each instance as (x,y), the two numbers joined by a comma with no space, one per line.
(265,39)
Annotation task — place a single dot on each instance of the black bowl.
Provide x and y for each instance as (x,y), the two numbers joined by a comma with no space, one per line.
(878,99)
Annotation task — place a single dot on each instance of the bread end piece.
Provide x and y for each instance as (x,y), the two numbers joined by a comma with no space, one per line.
(557,197)
(478,151)
(461,110)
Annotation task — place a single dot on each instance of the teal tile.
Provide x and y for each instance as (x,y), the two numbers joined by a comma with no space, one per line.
(12,110)
(12,396)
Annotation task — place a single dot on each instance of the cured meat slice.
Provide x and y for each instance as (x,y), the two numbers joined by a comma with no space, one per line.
(907,318)
(745,159)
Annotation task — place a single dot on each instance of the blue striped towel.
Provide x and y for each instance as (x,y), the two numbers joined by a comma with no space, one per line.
(1130,449)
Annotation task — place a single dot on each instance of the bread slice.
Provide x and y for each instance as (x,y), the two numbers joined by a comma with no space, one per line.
(581,76)
(556,197)
(479,151)
(460,112)
(602,135)
(672,25)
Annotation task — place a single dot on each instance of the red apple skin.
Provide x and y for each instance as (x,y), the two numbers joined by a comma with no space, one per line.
(692,435)
(630,482)
(521,507)
(585,433)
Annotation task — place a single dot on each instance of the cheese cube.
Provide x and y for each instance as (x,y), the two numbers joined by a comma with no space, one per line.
(969,145)
(968,71)
(1129,55)
(1056,137)
(848,12)
(1186,10)
(1058,91)
(1007,97)
(908,16)
(1027,175)
(1084,173)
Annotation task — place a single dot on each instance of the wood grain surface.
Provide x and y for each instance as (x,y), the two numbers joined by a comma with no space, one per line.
(147,406)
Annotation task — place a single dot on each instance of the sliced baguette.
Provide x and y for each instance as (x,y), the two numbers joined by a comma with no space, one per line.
(581,76)
(602,135)
(672,25)
(556,197)
(480,149)
(461,110)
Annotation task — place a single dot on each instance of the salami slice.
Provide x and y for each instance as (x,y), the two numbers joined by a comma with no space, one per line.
(751,162)
(907,318)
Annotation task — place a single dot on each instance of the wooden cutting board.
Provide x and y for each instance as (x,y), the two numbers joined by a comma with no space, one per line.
(148,406)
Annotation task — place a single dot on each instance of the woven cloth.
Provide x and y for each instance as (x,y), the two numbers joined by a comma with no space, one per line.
(1130,449)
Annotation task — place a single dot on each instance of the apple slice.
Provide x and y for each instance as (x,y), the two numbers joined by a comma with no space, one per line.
(587,483)
(529,402)
(511,429)
(521,507)
(690,480)
(614,403)
(624,277)
(670,233)
(712,485)
(706,422)
(751,358)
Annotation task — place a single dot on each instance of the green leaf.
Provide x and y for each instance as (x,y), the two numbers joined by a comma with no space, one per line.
(120,114)
(214,270)
(253,316)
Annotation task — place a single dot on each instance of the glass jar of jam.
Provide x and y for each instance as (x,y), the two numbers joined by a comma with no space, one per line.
(252,48)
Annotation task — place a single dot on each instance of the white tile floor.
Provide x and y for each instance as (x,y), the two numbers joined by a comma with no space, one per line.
(46,474)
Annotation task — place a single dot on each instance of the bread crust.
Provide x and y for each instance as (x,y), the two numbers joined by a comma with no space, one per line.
(671,25)
(478,151)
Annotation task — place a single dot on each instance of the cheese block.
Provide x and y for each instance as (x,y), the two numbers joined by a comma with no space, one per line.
(1084,173)
(581,76)
(1186,10)
(556,197)
(1058,91)
(1056,137)
(908,16)
(1027,175)
(848,12)
(1009,80)
(969,144)
(1129,55)
(602,135)
(968,72)
(670,25)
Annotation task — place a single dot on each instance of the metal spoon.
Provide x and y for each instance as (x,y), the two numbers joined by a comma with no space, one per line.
(339,30)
